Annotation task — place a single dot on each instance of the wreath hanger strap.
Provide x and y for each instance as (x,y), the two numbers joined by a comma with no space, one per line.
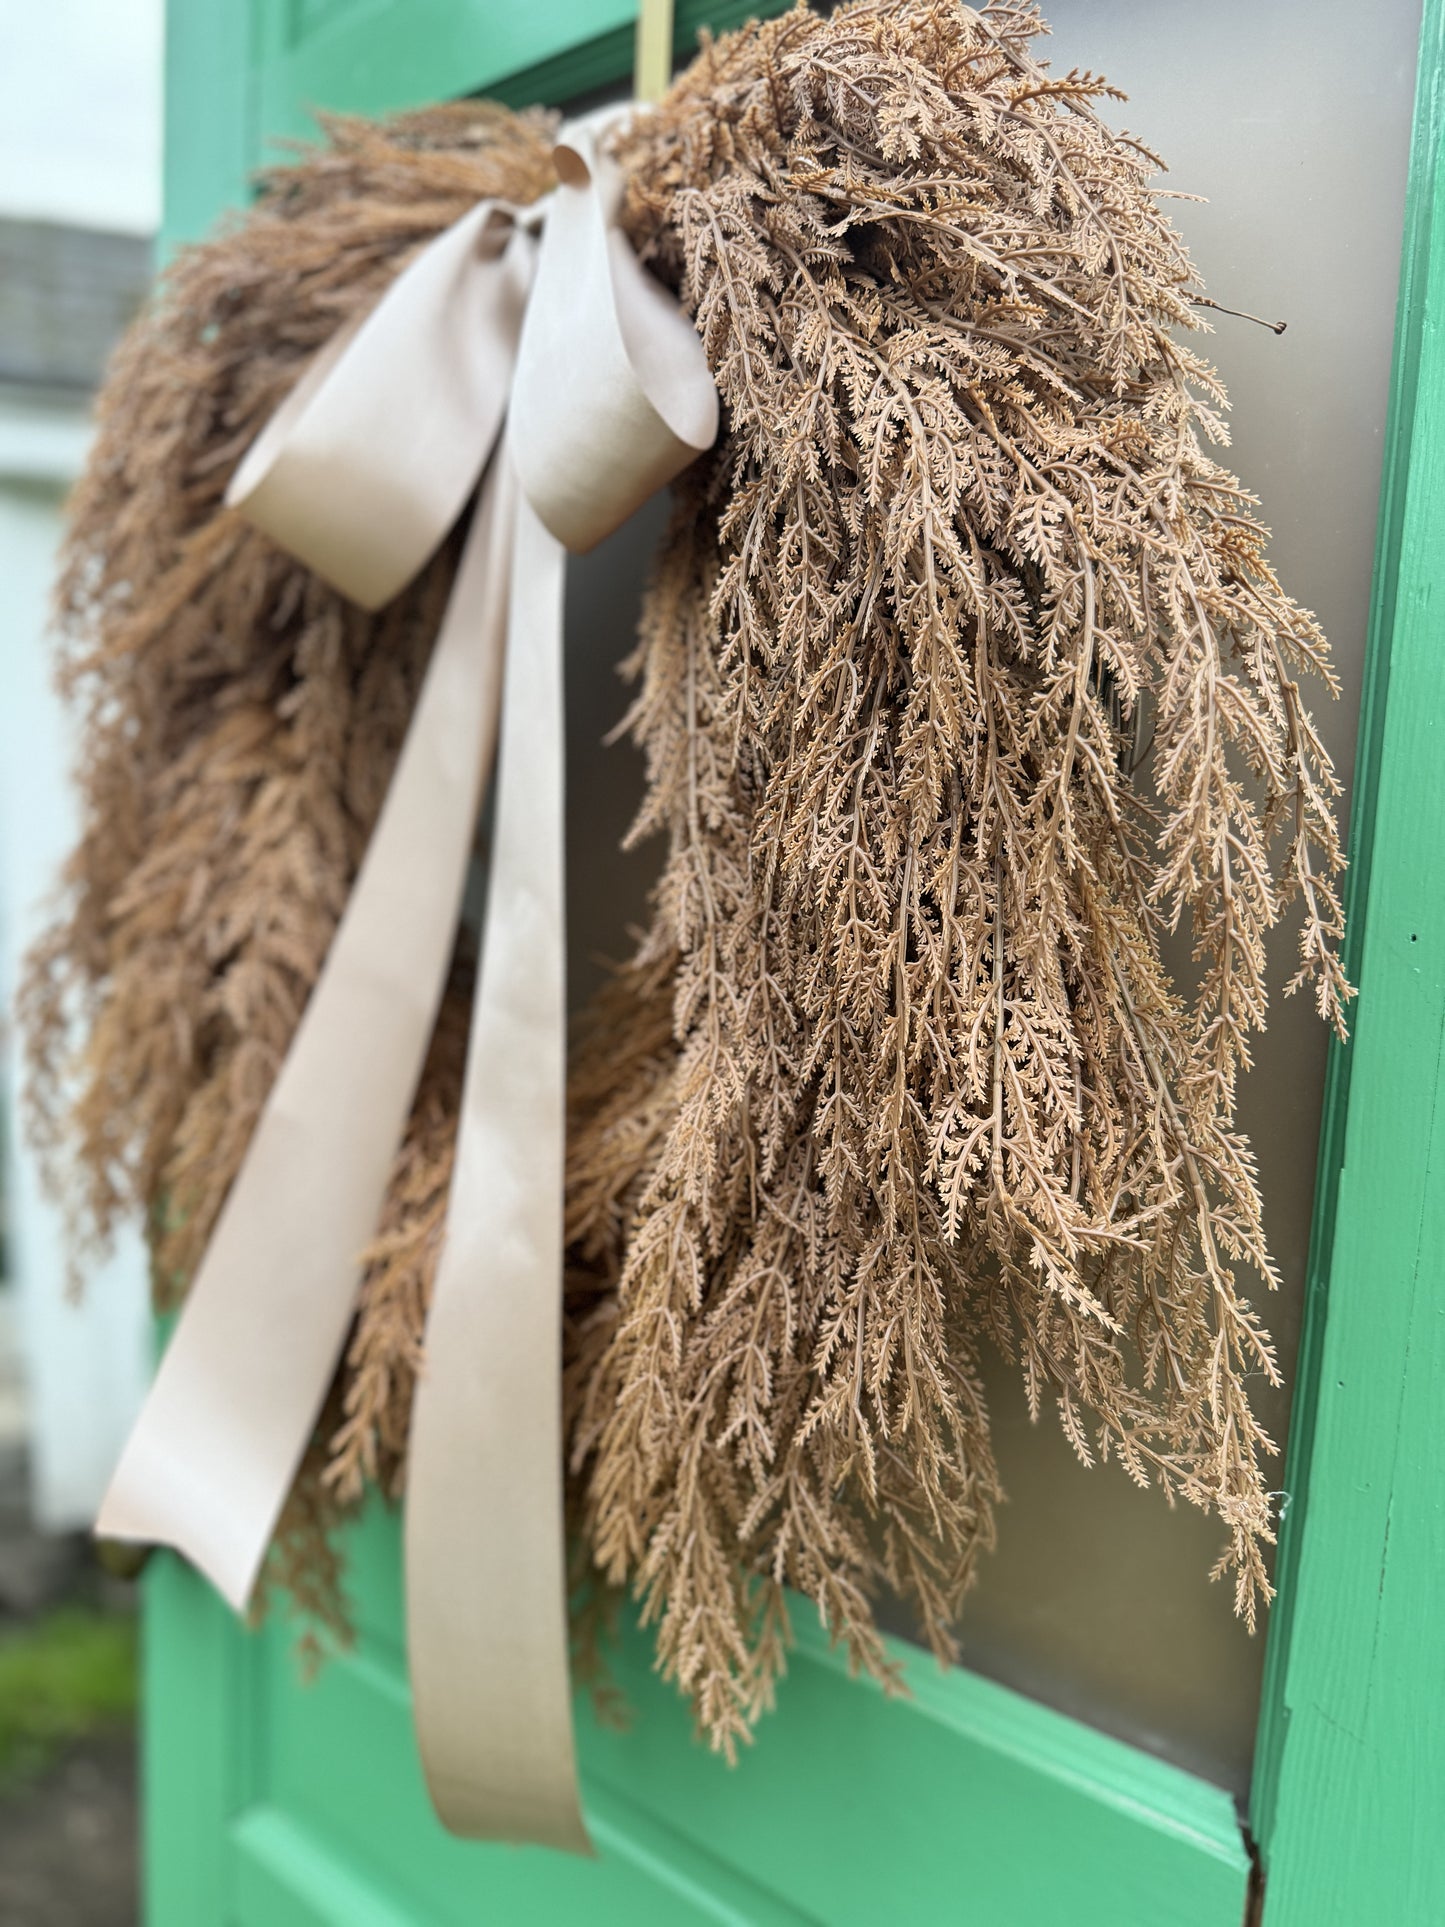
(607,396)
(652,65)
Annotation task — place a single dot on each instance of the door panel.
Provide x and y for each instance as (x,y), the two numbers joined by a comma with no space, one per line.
(849,1810)
(375,56)
(1097,1599)
(852,1809)
(273,1801)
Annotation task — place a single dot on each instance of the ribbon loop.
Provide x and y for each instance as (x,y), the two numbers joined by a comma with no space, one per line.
(612,396)
(369,461)
(360,474)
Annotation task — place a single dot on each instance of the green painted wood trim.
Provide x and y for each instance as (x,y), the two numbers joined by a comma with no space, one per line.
(377,58)
(962,1765)
(608,58)
(244,79)
(280,1874)
(195,1758)
(964,1804)
(210,117)
(1350,1776)
(962,1773)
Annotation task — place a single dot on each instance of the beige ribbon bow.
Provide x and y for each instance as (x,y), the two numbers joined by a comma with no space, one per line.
(607,396)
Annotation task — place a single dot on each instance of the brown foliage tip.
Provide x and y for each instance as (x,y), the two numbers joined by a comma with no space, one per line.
(898,1067)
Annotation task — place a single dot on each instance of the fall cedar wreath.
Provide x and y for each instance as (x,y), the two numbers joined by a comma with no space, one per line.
(897,1070)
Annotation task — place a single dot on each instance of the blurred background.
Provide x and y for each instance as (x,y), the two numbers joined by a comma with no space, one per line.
(80,178)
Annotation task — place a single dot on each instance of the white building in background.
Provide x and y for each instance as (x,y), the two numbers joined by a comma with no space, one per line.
(80,176)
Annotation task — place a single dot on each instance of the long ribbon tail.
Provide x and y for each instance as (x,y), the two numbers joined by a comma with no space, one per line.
(216,1447)
(611,398)
(359,475)
(485,1559)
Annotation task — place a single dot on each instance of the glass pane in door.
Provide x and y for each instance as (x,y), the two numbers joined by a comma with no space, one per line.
(1292,117)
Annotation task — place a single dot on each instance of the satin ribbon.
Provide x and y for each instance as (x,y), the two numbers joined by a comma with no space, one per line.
(543,319)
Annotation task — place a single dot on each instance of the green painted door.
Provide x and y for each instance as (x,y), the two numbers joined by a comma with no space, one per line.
(273,1803)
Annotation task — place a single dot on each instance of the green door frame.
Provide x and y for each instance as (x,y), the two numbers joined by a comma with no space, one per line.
(1350,1768)
(1349,1783)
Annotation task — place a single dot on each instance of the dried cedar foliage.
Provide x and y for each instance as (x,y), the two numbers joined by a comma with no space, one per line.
(929,1080)
(898,1069)
(239,719)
